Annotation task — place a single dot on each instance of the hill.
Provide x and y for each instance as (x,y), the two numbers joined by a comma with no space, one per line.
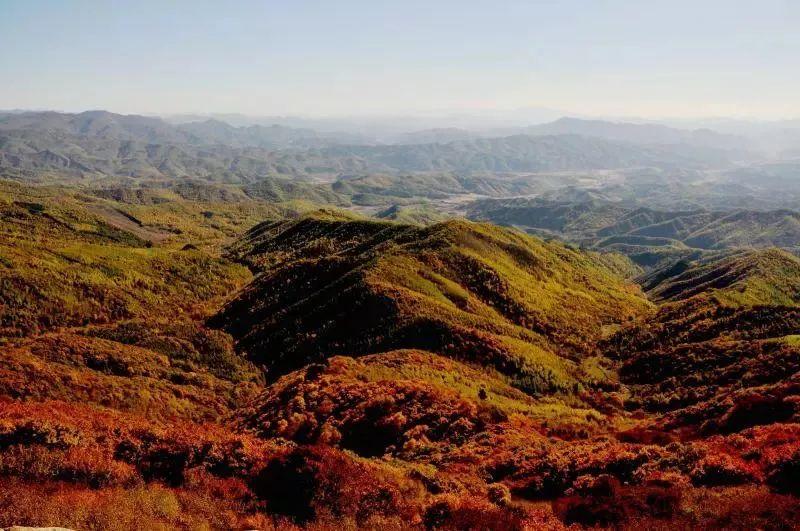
(379,189)
(573,219)
(183,213)
(720,354)
(281,190)
(414,214)
(473,292)
(712,373)
(71,261)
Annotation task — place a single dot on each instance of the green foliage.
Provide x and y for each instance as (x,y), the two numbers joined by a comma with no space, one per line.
(68,261)
(84,283)
(281,190)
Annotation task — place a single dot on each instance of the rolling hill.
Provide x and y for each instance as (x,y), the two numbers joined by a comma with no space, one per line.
(73,260)
(648,235)
(522,153)
(378,189)
(473,292)
(710,375)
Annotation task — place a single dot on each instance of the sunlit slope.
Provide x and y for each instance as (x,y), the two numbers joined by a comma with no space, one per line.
(156,372)
(62,267)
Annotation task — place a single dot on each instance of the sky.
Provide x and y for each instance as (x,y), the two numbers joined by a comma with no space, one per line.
(644,58)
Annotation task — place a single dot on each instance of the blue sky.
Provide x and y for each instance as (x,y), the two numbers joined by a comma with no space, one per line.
(646,58)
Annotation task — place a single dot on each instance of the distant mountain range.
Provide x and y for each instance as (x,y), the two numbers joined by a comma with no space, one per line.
(640,133)
(109,126)
(524,153)
(99,143)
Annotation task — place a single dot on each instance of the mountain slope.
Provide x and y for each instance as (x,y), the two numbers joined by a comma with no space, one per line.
(720,354)
(541,390)
(415,214)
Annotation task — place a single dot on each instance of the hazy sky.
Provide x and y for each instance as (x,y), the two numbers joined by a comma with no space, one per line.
(647,58)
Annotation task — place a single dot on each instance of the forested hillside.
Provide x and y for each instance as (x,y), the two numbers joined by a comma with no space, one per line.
(195,354)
